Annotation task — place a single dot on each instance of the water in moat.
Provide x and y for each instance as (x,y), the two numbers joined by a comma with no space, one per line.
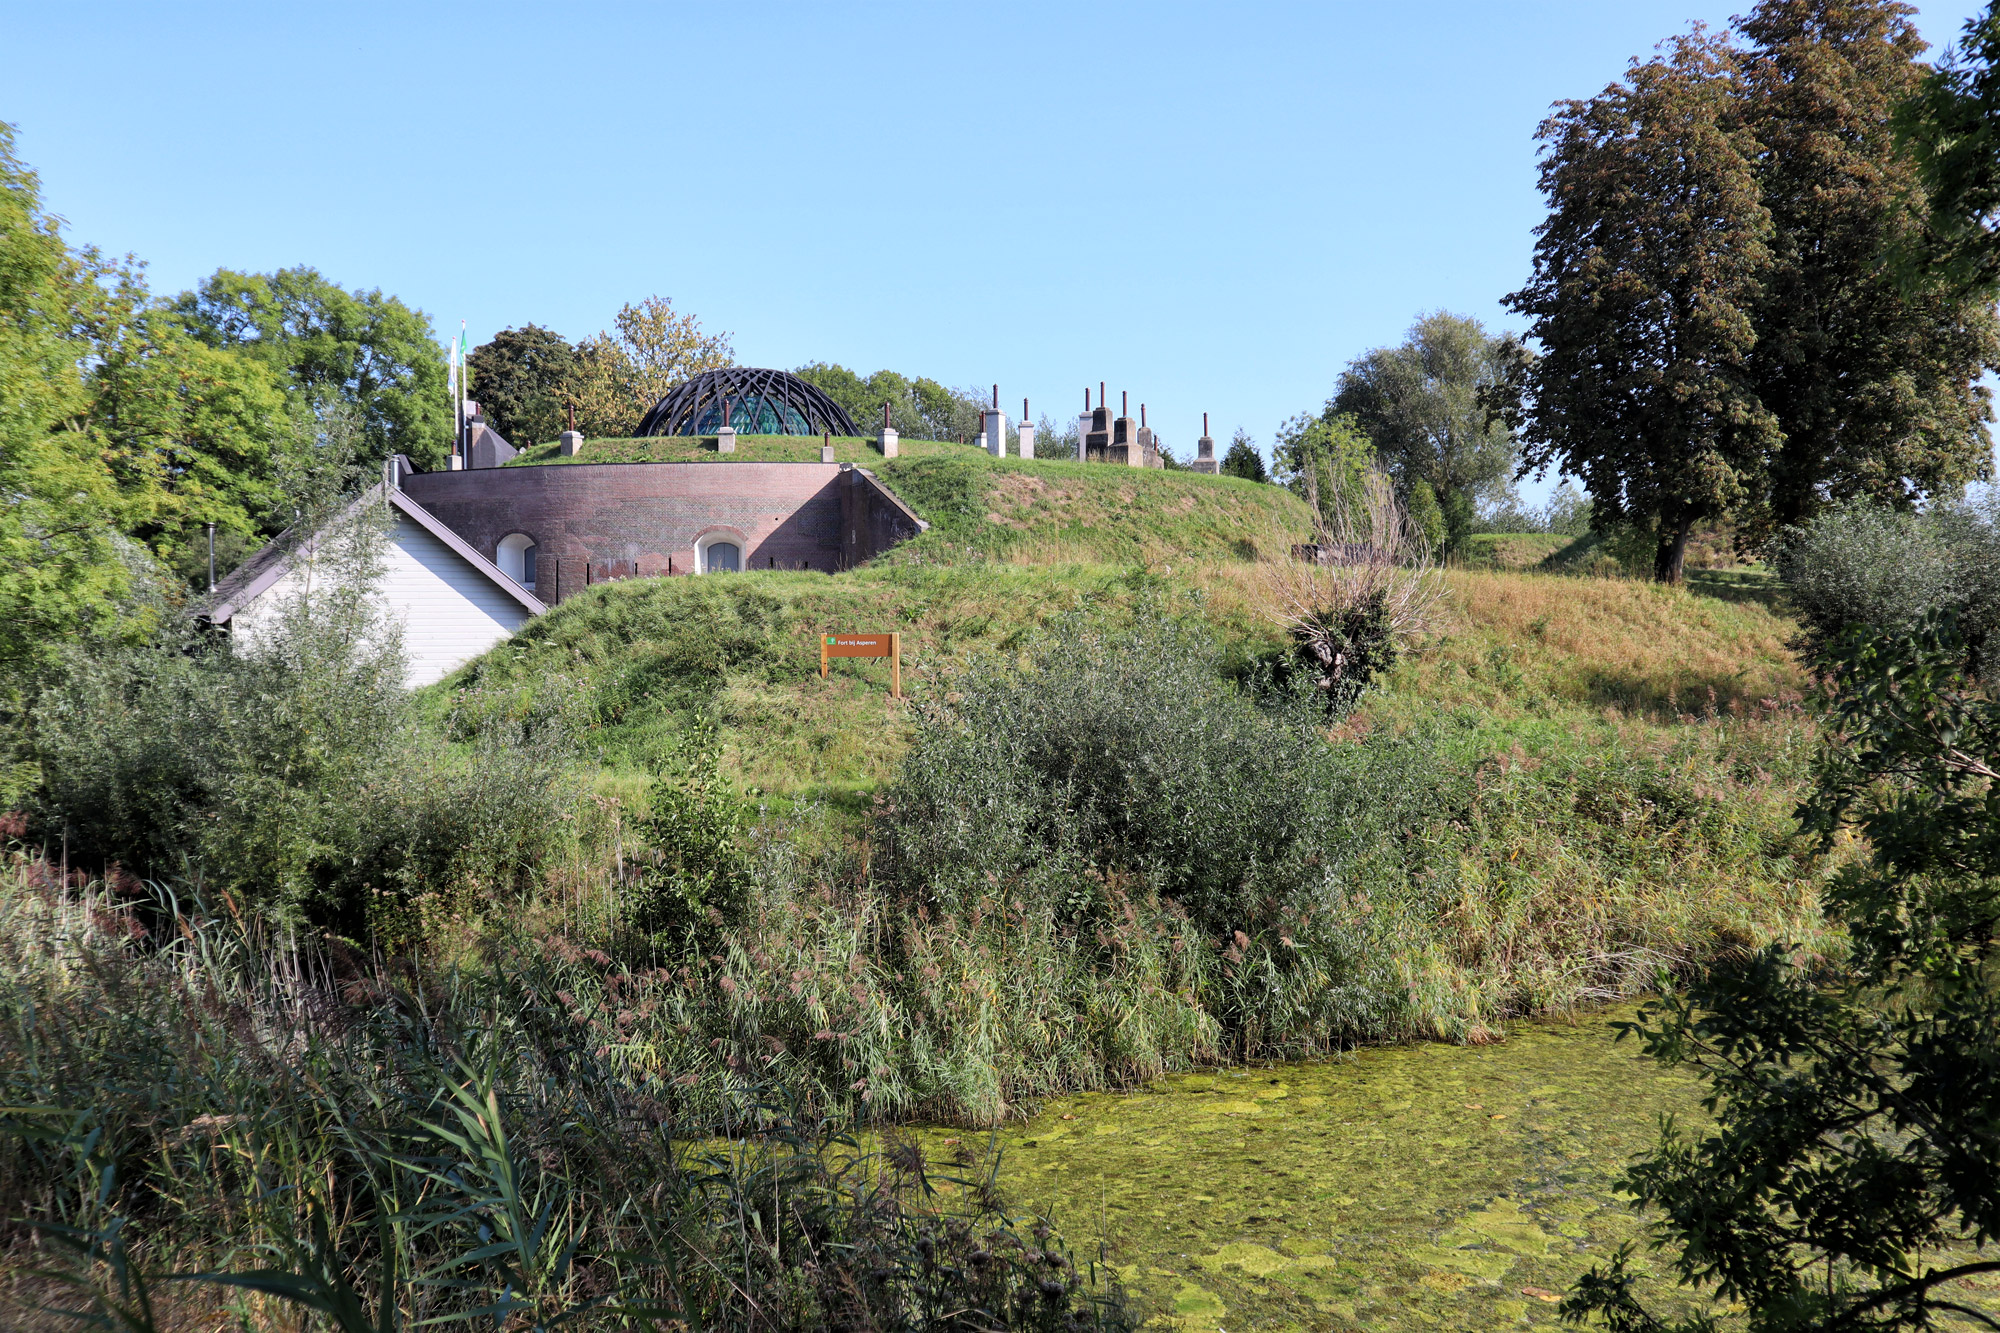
(1408,1187)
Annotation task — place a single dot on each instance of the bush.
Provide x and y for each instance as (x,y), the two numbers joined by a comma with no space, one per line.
(1147,764)
(1863,566)
(696,884)
(292,773)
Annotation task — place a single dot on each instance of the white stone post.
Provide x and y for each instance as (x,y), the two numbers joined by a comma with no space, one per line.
(1027,439)
(725,440)
(888,441)
(996,432)
(570,443)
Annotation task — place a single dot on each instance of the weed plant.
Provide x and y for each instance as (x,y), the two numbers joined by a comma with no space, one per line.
(206,1123)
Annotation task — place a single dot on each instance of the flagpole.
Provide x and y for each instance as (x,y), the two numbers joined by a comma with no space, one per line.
(464,374)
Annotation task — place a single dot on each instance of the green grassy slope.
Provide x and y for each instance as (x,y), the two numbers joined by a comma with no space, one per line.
(1525,651)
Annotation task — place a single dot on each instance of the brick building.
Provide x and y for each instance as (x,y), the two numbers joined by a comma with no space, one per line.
(476,552)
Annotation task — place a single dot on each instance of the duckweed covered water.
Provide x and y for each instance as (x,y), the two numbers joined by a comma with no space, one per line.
(1411,1187)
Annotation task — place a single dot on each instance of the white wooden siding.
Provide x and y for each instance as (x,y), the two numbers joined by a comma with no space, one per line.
(449,611)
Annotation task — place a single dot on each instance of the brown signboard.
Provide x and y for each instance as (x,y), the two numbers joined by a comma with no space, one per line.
(860,645)
(865,645)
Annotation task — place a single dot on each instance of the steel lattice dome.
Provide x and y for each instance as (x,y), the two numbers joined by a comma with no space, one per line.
(760,402)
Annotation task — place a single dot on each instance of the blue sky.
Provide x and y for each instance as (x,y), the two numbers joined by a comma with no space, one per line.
(1211,206)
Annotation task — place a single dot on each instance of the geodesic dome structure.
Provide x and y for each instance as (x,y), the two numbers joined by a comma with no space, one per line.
(759,402)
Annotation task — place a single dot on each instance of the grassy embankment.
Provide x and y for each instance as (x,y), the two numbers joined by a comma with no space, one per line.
(1615,762)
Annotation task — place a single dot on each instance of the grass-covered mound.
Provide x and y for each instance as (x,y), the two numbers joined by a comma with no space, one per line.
(642,655)
(1576,781)
(1026,511)
(1508,550)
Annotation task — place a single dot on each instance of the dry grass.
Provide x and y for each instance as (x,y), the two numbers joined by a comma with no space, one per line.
(1632,647)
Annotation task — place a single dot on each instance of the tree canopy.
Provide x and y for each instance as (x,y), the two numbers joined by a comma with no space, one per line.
(1873,382)
(1427,406)
(617,376)
(326,343)
(1722,302)
(61,573)
(919,408)
(1951,126)
(518,380)
(1646,276)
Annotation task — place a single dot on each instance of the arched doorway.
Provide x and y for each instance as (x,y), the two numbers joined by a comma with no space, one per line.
(516,558)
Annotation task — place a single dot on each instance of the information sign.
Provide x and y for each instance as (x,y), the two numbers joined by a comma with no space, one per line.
(866,645)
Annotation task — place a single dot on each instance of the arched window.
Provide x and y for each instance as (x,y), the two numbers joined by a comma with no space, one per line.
(517,559)
(720,551)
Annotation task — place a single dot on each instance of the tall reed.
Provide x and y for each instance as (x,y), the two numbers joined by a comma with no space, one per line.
(204,1118)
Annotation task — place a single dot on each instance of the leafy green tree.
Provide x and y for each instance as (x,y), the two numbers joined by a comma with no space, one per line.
(616,378)
(518,380)
(1951,125)
(1241,459)
(1875,384)
(865,398)
(1851,1177)
(1427,406)
(191,427)
(325,343)
(62,572)
(1647,274)
(1426,516)
(1327,457)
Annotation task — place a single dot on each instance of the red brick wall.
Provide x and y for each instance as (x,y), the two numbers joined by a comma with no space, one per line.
(596,521)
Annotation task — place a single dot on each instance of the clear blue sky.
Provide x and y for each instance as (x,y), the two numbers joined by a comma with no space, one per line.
(1212,206)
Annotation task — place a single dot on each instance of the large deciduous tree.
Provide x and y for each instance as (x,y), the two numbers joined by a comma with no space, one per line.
(617,377)
(329,344)
(518,380)
(60,570)
(1426,405)
(1874,383)
(1647,273)
(1952,127)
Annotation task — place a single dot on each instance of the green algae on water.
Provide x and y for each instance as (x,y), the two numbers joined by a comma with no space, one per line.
(1430,1186)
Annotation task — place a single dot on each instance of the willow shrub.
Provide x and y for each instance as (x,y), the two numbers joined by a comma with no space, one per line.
(293,774)
(1116,774)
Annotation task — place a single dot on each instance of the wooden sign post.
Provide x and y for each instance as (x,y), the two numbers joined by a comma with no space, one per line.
(866,645)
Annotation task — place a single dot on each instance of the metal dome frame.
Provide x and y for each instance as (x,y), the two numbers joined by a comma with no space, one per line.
(682,410)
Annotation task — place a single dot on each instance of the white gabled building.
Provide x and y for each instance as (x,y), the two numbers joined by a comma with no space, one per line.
(451,602)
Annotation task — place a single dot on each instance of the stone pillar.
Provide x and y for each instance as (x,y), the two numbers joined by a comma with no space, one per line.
(887,439)
(570,443)
(996,432)
(725,440)
(1027,438)
(826,453)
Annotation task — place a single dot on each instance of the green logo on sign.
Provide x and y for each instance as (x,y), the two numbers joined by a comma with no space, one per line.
(829,641)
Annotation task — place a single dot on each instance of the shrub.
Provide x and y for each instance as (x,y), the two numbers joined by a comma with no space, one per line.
(696,883)
(1863,566)
(1145,764)
(292,772)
